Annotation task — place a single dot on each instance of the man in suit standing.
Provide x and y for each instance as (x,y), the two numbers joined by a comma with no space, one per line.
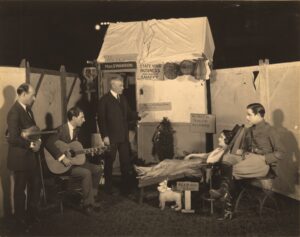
(22,159)
(89,173)
(114,115)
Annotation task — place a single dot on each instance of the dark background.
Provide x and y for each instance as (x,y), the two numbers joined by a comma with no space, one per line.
(49,34)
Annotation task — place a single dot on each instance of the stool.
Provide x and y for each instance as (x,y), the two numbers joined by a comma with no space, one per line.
(265,184)
(65,186)
(206,196)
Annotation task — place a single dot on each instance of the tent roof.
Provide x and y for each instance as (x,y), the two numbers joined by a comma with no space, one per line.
(158,41)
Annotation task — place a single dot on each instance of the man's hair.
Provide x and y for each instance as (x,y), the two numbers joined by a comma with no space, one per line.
(23,88)
(257,108)
(74,111)
(116,78)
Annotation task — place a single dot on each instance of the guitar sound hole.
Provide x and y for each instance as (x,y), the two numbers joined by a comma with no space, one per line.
(73,154)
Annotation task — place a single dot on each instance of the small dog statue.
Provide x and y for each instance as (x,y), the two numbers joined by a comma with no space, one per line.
(166,194)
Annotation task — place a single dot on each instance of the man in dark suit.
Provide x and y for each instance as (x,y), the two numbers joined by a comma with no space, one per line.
(114,115)
(89,173)
(22,159)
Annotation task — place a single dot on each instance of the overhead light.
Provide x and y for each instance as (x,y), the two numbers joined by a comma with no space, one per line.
(97,27)
(104,23)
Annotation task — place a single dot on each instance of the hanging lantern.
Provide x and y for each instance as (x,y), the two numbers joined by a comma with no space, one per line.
(90,73)
(200,70)
(187,67)
(171,70)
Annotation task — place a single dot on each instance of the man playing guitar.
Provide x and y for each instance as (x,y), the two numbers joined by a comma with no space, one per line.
(89,173)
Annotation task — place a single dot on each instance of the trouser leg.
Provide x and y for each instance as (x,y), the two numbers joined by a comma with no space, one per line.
(96,172)
(126,167)
(86,184)
(34,190)
(108,166)
(20,179)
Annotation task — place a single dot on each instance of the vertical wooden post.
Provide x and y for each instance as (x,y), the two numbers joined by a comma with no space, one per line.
(63,93)
(264,87)
(100,91)
(25,64)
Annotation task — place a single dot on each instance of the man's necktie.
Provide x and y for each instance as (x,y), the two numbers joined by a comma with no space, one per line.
(29,112)
(118,98)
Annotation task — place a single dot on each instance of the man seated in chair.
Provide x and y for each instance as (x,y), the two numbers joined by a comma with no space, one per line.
(261,150)
(88,172)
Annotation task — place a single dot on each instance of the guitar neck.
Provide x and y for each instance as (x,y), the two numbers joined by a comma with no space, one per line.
(88,151)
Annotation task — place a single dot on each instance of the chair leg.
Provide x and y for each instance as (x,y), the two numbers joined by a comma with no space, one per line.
(141,195)
(236,206)
(61,206)
(267,195)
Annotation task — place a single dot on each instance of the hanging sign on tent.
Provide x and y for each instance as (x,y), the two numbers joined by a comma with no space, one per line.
(205,123)
(116,66)
(151,71)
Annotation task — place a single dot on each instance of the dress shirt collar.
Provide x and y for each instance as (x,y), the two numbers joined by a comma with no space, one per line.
(114,94)
(23,106)
(260,124)
(71,130)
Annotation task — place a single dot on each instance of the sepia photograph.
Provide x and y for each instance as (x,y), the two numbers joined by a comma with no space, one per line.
(149,118)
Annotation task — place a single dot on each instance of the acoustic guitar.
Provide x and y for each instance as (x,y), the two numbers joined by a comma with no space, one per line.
(77,155)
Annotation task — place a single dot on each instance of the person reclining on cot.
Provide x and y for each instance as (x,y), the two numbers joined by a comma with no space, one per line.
(192,164)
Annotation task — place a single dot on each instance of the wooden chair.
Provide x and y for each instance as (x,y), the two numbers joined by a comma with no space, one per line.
(260,189)
(66,185)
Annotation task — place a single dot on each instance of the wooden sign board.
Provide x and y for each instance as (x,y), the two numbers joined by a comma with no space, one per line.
(151,72)
(205,123)
(187,186)
(163,106)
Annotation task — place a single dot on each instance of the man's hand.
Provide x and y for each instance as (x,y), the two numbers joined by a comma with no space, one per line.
(143,114)
(106,141)
(35,146)
(66,162)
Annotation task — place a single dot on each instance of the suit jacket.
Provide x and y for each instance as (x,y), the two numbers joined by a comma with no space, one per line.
(20,156)
(114,117)
(63,134)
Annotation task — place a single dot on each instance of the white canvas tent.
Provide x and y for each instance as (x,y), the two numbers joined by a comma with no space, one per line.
(158,41)
(144,48)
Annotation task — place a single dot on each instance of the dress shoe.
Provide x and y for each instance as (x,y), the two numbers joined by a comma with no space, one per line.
(34,219)
(88,210)
(22,226)
(96,208)
(97,198)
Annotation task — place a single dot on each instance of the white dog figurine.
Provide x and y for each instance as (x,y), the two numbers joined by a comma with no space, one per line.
(167,195)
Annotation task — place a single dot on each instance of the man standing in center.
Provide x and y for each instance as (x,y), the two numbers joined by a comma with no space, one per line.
(114,115)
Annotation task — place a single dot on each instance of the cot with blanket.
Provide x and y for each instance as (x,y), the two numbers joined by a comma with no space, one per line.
(179,169)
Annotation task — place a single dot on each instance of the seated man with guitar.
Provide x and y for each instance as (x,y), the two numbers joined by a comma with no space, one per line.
(65,155)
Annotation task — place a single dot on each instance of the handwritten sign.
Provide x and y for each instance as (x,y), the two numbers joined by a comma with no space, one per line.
(187,186)
(163,106)
(205,123)
(151,71)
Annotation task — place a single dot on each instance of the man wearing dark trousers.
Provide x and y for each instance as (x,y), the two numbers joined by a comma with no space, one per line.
(88,173)
(114,115)
(22,158)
